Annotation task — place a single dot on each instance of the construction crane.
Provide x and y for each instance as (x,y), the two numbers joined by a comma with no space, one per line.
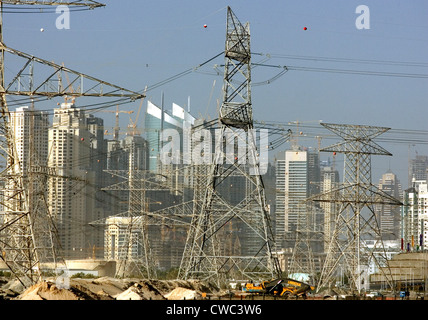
(132,127)
(295,138)
(116,126)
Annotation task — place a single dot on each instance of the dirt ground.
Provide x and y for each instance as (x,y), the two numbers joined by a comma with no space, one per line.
(107,289)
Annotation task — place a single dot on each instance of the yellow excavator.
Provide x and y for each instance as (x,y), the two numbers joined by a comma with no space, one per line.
(279,287)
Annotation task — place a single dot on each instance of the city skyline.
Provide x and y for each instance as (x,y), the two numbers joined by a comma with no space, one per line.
(69,121)
(317,86)
(361,68)
(377,172)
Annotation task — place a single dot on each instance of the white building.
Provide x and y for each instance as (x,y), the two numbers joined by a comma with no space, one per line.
(30,135)
(415,217)
(30,130)
(116,240)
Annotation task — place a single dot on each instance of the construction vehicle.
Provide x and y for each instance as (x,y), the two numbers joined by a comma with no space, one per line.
(279,287)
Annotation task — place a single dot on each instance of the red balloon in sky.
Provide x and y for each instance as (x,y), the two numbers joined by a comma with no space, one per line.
(305,28)
(205,25)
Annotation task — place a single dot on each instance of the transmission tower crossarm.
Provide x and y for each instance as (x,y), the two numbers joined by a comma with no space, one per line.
(95,87)
(78,3)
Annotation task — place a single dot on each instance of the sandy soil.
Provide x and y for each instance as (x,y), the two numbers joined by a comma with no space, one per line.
(107,289)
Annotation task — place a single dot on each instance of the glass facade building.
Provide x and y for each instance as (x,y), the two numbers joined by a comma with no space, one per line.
(156,121)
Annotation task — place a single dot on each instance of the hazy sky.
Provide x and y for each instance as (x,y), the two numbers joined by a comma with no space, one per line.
(141,43)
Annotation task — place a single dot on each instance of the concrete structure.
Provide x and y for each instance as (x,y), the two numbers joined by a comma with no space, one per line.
(99,268)
(390,248)
(409,270)
(96,267)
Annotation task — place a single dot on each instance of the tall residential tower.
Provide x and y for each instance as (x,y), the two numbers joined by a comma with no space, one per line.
(389,216)
(72,190)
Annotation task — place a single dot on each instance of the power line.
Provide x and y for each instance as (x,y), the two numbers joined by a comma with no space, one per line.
(359,72)
(351,60)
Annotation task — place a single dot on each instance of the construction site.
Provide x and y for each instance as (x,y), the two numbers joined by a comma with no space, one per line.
(190,208)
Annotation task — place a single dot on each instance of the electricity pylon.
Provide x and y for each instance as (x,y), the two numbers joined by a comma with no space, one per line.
(353,224)
(134,250)
(26,234)
(233,204)
(308,241)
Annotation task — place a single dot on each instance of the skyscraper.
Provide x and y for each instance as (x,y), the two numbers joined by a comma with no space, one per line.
(71,192)
(141,157)
(418,169)
(296,175)
(97,165)
(158,120)
(415,213)
(329,182)
(388,215)
(30,129)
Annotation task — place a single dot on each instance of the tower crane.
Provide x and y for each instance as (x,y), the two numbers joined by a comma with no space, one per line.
(132,127)
(116,127)
(295,139)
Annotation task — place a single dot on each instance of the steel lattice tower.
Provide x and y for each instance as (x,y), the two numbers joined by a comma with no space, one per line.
(308,239)
(353,224)
(232,238)
(135,254)
(28,235)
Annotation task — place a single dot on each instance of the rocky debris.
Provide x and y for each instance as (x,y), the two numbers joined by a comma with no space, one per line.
(140,291)
(107,288)
(10,289)
(47,291)
(14,285)
(182,294)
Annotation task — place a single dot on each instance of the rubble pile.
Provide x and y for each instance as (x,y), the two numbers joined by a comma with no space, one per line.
(182,294)
(107,288)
